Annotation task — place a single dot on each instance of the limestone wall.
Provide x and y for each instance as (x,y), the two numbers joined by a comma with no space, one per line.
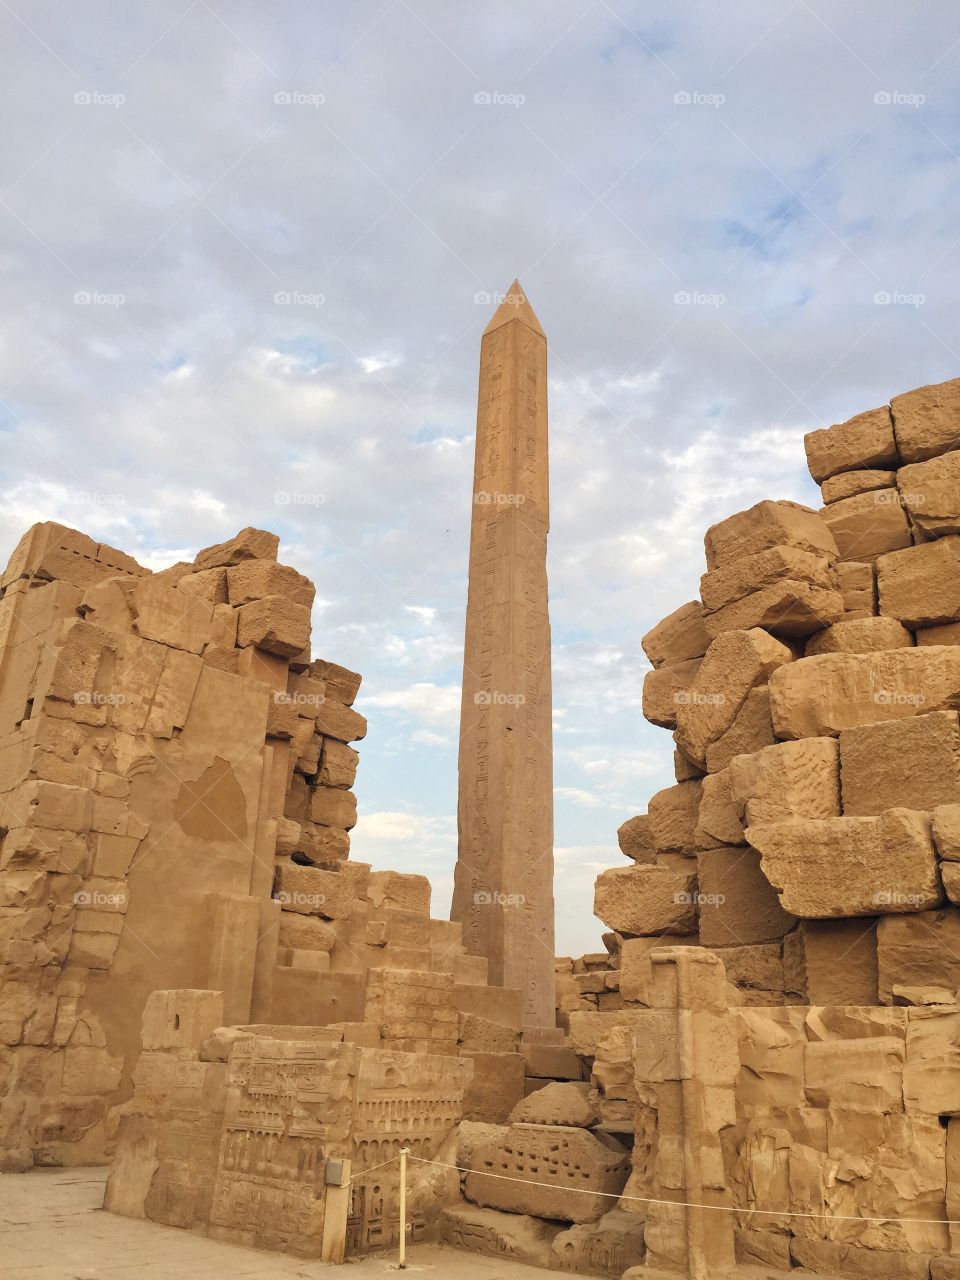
(175,794)
(813,833)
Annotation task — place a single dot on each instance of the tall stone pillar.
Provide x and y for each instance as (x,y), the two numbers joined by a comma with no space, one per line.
(503,887)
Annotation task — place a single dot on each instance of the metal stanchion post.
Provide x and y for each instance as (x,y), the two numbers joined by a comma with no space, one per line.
(404,1151)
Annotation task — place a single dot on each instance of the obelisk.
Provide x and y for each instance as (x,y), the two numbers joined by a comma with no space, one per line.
(503,886)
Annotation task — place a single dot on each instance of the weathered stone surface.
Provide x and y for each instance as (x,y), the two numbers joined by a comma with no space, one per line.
(918,950)
(910,764)
(756,972)
(673,814)
(850,866)
(927,421)
(930,491)
(665,691)
(946,633)
(858,587)
(738,905)
(946,831)
(766,525)
(496,1086)
(559,1103)
(736,662)
(249,544)
(514,1236)
(602,1248)
(919,585)
(746,576)
(868,525)
(586,1030)
(636,972)
(860,635)
(752,729)
(646,900)
(276,624)
(866,440)
(678,638)
(788,780)
(786,608)
(551,1062)
(719,817)
(548,1154)
(636,839)
(831,692)
(931,1075)
(838,1258)
(256,579)
(849,483)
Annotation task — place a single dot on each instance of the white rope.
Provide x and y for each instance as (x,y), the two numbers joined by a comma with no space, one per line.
(373,1168)
(692,1204)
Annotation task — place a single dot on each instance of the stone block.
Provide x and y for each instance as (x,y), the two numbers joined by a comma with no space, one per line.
(738,904)
(930,492)
(768,524)
(752,729)
(257,579)
(849,483)
(275,624)
(512,1237)
(834,1258)
(335,720)
(799,779)
(832,963)
(858,587)
(866,440)
(180,1021)
(249,544)
(927,421)
(551,1062)
(333,807)
(835,691)
(868,525)
(860,635)
(397,890)
(673,814)
(919,950)
(587,1029)
(547,1153)
(338,764)
(635,838)
(496,1087)
(850,866)
(787,608)
(865,1074)
(665,690)
(946,633)
(602,1248)
(756,971)
(918,585)
(719,817)
(342,685)
(646,900)
(909,764)
(746,576)
(678,638)
(312,891)
(931,1076)
(559,1103)
(735,663)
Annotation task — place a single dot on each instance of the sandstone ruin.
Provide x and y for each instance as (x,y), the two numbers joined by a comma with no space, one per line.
(758,1076)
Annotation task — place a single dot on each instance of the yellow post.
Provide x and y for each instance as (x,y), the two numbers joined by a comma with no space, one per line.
(404,1151)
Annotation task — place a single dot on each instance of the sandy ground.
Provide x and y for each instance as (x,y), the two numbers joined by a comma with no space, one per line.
(51,1226)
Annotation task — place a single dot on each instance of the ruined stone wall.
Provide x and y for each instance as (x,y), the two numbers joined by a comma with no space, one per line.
(175,799)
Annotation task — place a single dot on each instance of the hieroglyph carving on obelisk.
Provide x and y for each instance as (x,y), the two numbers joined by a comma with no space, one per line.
(503,887)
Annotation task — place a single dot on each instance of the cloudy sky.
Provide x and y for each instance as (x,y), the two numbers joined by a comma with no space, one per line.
(247,254)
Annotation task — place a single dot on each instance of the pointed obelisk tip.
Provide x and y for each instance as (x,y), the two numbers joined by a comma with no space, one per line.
(514,305)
